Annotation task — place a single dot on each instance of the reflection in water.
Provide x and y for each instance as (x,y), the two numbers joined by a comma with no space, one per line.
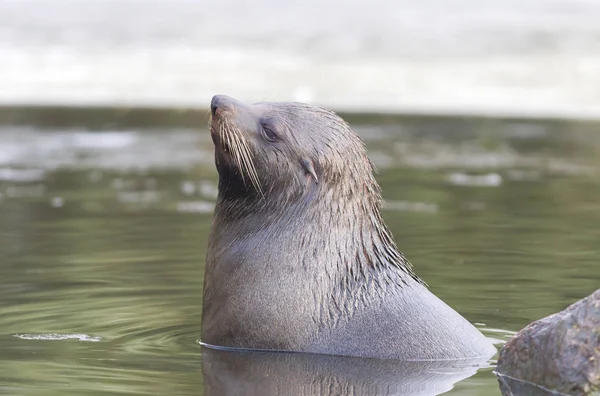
(275,373)
(103,232)
(514,387)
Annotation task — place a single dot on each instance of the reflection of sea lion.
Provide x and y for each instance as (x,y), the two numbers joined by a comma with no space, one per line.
(299,258)
(254,373)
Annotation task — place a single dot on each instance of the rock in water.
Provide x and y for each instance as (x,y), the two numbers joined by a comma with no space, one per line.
(559,353)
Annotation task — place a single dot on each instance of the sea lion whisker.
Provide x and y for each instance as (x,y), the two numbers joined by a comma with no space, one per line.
(232,138)
(232,142)
(222,136)
(239,155)
(250,167)
(242,156)
(226,137)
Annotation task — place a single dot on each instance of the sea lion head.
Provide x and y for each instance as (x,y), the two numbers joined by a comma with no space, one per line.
(289,151)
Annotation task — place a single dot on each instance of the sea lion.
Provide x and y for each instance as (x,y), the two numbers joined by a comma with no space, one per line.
(299,258)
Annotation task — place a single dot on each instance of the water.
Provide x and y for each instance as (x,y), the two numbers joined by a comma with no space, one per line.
(530,57)
(103,229)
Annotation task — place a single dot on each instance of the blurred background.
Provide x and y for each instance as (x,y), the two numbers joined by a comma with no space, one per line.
(524,57)
(482,117)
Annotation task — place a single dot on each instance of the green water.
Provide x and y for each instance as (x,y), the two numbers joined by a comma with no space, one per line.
(103,229)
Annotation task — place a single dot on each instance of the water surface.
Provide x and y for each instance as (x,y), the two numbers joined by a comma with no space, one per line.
(103,229)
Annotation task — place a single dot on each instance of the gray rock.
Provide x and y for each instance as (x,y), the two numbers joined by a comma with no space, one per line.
(559,354)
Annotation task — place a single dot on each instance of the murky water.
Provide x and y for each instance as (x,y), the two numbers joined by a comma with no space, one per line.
(103,229)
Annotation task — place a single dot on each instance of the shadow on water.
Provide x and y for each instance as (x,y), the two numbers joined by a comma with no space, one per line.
(269,373)
(104,222)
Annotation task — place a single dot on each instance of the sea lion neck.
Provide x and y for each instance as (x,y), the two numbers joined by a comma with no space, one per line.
(325,221)
(335,246)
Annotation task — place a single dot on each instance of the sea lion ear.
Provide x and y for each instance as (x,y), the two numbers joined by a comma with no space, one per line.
(310,169)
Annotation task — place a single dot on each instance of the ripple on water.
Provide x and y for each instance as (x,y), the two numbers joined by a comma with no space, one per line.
(22,175)
(58,337)
(104,139)
(463,179)
(98,150)
(498,337)
(195,207)
(411,206)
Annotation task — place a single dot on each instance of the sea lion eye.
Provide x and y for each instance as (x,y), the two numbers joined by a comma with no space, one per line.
(269,134)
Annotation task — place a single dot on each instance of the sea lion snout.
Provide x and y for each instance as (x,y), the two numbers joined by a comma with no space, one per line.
(231,119)
(220,103)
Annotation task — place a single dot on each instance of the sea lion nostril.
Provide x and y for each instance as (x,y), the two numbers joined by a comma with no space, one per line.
(214,104)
